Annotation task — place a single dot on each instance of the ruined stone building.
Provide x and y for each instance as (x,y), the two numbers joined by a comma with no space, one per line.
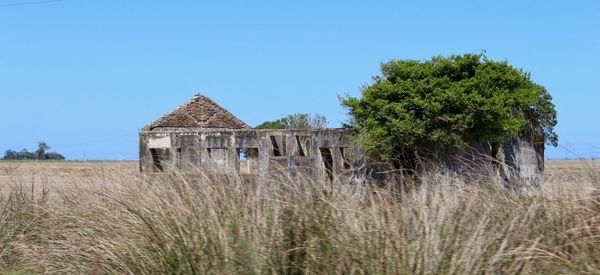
(202,136)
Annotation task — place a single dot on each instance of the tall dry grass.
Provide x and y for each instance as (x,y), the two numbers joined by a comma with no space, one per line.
(112,221)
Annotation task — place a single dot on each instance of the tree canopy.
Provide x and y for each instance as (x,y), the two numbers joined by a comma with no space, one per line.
(296,121)
(39,154)
(447,102)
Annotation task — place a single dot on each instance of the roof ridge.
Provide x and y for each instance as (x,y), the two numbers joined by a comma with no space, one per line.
(215,104)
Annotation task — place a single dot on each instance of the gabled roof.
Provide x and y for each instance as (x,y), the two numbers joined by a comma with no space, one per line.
(200,112)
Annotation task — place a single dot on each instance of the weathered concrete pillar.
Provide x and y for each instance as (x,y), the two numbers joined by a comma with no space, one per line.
(291,149)
(522,169)
(315,158)
(145,162)
(263,159)
(233,158)
(524,160)
(204,158)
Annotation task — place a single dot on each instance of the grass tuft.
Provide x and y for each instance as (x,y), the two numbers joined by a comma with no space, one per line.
(104,218)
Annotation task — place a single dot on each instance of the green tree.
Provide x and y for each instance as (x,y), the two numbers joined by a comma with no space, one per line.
(10,155)
(22,155)
(277,124)
(40,153)
(53,156)
(447,102)
(25,155)
(296,121)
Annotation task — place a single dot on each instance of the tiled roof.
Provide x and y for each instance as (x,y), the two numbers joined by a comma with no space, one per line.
(200,112)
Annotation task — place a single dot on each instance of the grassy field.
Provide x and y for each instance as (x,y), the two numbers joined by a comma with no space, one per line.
(101,217)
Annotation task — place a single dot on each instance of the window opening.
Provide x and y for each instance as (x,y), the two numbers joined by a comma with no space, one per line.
(346,154)
(278,146)
(303,144)
(327,159)
(160,158)
(248,160)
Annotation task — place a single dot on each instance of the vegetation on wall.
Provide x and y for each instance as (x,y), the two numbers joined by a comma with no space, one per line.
(296,121)
(447,101)
(39,154)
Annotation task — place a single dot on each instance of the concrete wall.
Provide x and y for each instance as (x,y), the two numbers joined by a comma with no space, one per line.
(327,154)
(320,155)
(523,160)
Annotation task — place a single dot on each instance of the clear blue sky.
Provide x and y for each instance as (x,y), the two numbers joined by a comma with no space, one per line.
(86,75)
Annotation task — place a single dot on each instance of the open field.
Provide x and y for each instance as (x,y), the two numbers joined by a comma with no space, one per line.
(57,173)
(100,217)
(74,171)
(571,167)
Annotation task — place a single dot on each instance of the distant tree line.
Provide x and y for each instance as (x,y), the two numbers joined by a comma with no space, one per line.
(39,154)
